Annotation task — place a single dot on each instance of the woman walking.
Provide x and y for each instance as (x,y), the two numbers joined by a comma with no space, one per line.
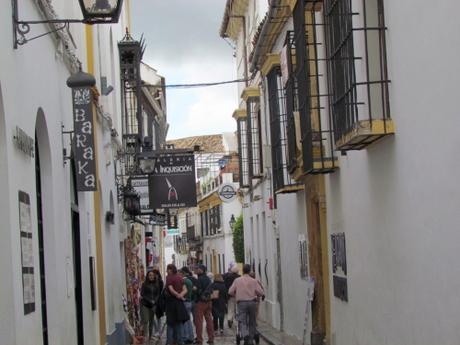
(219,297)
(150,293)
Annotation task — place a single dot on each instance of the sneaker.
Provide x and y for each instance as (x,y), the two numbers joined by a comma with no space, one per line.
(210,342)
(221,332)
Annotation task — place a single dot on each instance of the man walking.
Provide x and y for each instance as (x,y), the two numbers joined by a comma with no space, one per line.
(203,308)
(246,290)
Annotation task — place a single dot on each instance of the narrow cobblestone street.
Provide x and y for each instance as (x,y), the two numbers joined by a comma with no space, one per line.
(228,338)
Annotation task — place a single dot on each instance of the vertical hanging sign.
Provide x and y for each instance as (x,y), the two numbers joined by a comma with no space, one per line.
(83,140)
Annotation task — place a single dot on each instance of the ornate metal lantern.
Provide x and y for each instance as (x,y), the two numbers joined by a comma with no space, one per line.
(101,11)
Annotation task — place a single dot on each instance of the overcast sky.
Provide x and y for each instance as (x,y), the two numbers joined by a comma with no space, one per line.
(184,46)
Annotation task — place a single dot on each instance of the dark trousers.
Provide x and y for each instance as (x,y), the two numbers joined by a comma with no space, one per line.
(203,310)
(218,319)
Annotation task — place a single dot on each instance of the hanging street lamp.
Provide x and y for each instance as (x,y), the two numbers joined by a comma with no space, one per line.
(232,222)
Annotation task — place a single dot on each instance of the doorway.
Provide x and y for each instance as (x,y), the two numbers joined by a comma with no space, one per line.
(76,252)
(318,258)
(41,247)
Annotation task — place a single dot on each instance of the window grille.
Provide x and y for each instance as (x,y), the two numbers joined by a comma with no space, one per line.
(255,137)
(243,149)
(358,75)
(279,131)
(291,103)
(316,132)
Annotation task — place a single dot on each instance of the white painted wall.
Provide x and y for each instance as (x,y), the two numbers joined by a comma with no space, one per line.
(294,287)
(398,201)
(34,77)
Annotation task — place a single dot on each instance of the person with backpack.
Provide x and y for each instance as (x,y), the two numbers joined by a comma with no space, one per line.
(203,307)
(219,299)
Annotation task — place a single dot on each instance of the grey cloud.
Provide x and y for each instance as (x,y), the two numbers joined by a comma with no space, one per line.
(179,30)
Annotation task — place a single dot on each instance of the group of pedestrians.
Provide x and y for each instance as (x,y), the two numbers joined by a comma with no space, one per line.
(186,296)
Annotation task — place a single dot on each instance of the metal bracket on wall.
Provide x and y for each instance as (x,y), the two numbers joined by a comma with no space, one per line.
(22,28)
(66,156)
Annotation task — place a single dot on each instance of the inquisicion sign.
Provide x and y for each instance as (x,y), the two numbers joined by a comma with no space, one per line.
(172,184)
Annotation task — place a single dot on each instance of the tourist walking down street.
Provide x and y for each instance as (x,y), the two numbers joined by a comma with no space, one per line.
(150,293)
(203,308)
(246,290)
(229,278)
(219,297)
(188,336)
(176,313)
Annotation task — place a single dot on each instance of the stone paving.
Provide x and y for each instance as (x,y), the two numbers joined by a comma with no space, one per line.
(227,339)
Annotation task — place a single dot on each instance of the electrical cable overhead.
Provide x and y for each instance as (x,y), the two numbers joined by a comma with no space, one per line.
(196,85)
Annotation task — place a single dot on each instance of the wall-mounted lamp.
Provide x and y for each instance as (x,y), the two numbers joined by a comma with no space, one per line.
(94,12)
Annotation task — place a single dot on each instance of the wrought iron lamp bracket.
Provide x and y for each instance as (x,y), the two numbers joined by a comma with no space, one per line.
(21,28)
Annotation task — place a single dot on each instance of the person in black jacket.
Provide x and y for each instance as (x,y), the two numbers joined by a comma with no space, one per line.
(150,293)
(219,297)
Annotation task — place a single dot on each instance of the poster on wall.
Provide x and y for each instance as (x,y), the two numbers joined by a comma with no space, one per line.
(27,255)
(172,184)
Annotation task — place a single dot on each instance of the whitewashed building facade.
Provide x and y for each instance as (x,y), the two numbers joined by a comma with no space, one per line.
(61,251)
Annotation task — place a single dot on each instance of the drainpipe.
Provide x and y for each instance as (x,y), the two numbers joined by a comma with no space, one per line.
(257,49)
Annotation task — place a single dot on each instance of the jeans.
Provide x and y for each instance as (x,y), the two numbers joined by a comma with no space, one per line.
(149,321)
(188,326)
(175,333)
(246,316)
(203,309)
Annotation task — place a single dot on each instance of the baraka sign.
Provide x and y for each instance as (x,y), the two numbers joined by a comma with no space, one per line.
(172,184)
(83,140)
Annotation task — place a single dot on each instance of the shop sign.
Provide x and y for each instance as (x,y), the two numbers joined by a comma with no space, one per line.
(172,232)
(141,185)
(227,192)
(83,140)
(24,142)
(172,183)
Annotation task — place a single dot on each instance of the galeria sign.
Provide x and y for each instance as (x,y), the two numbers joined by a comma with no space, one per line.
(172,183)
(83,140)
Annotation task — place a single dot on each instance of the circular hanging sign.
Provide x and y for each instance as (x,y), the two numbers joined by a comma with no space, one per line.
(227,192)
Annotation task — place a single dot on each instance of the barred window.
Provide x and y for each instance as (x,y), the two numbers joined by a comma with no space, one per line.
(291,102)
(255,138)
(357,65)
(243,149)
(316,130)
(278,130)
